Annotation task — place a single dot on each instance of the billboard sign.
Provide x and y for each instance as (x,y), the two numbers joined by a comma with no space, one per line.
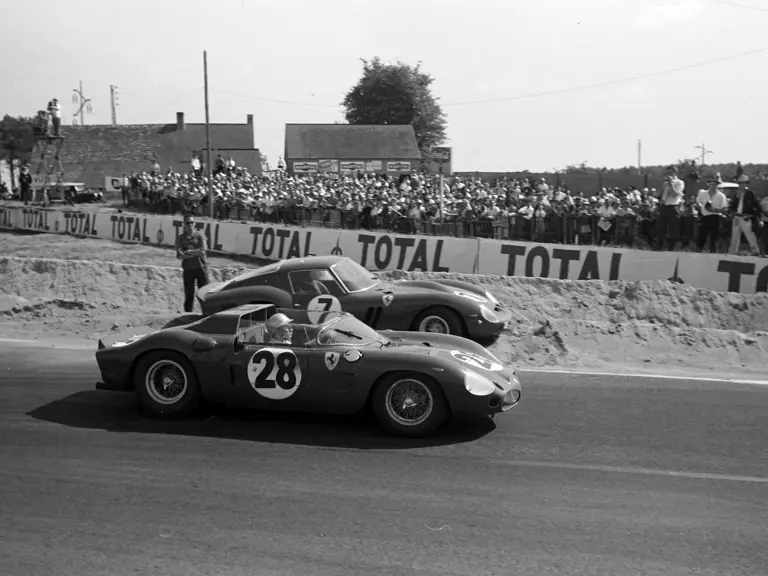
(304,167)
(442,156)
(329,165)
(352,166)
(398,166)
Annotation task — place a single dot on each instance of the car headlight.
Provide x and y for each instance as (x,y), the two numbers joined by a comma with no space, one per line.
(469,296)
(493,300)
(477,384)
(488,314)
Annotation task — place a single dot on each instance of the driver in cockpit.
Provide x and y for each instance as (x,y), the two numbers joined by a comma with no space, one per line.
(279,329)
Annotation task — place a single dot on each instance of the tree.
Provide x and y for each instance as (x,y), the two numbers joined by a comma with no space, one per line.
(17,140)
(397,94)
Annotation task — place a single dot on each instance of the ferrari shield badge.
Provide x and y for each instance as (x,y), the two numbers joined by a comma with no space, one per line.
(352,355)
(387,298)
(331,360)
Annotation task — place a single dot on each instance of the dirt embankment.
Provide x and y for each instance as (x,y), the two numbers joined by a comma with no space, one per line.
(557,323)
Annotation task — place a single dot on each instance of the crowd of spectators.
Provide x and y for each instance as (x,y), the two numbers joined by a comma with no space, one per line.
(378,200)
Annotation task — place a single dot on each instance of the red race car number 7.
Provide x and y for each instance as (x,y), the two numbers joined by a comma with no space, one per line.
(319,306)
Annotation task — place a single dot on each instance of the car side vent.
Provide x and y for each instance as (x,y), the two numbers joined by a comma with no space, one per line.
(427,344)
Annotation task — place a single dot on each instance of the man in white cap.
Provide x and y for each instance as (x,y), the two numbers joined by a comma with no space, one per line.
(279,329)
(745,210)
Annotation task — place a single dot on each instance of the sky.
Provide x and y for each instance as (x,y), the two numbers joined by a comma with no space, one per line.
(524,85)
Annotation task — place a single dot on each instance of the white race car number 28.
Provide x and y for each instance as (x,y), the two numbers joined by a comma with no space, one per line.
(274,373)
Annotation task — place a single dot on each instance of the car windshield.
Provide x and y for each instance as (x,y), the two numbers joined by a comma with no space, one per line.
(354,277)
(349,330)
(254,273)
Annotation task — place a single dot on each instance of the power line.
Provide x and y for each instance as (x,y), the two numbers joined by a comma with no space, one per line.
(613,82)
(738,5)
(262,99)
(186,95)
(535,94)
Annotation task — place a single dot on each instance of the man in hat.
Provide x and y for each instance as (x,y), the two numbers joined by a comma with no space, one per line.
(279,329)
(746,211)
(712,205)
(191,250)
(668,219)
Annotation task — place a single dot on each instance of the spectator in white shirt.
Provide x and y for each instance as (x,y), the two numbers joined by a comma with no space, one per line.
(196,166)
(668,220)
(712,204)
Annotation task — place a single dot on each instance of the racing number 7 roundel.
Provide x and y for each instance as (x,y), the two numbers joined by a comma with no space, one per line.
(274,373)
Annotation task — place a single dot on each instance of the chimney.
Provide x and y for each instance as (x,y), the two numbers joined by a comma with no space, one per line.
(180,121)
(249,119)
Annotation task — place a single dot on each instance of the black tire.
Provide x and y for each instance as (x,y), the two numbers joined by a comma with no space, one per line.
(436,315)
(421,424)
(149,394)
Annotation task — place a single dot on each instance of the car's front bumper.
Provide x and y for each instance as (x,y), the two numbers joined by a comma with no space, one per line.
(502,400)
(479,328)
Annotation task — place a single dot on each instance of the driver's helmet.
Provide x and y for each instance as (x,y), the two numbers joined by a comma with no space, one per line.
(279,327)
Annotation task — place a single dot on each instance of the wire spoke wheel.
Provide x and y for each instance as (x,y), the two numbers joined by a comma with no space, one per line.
(434,325)
(409,402)
(166,382)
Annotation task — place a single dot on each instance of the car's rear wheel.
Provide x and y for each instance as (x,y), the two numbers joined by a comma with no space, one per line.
(409,404)
(440,320)
(166,384)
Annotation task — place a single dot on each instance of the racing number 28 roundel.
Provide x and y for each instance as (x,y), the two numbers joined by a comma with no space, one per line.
(274,373)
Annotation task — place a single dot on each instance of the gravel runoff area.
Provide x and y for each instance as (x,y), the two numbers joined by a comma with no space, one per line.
(54,286)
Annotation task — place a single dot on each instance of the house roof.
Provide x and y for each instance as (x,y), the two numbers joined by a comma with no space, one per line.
(350,142)
(89,153)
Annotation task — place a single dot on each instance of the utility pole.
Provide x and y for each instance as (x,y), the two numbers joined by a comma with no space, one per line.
(85,104)
(113,100)
(640,156)
(208,136)
(704,153)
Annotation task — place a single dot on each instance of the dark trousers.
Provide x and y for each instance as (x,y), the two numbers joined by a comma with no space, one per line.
(668,227)
(762,236)
(709,229)
(199,275)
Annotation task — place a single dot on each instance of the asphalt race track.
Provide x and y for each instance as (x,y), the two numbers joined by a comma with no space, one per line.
(589,475)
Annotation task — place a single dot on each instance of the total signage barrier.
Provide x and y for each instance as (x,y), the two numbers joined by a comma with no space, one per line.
(380,251)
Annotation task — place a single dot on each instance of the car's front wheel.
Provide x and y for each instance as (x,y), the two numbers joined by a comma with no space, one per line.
(409,404)
(166,384)
(440,320)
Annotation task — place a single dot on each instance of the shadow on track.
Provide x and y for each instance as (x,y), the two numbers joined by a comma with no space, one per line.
(119,413)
